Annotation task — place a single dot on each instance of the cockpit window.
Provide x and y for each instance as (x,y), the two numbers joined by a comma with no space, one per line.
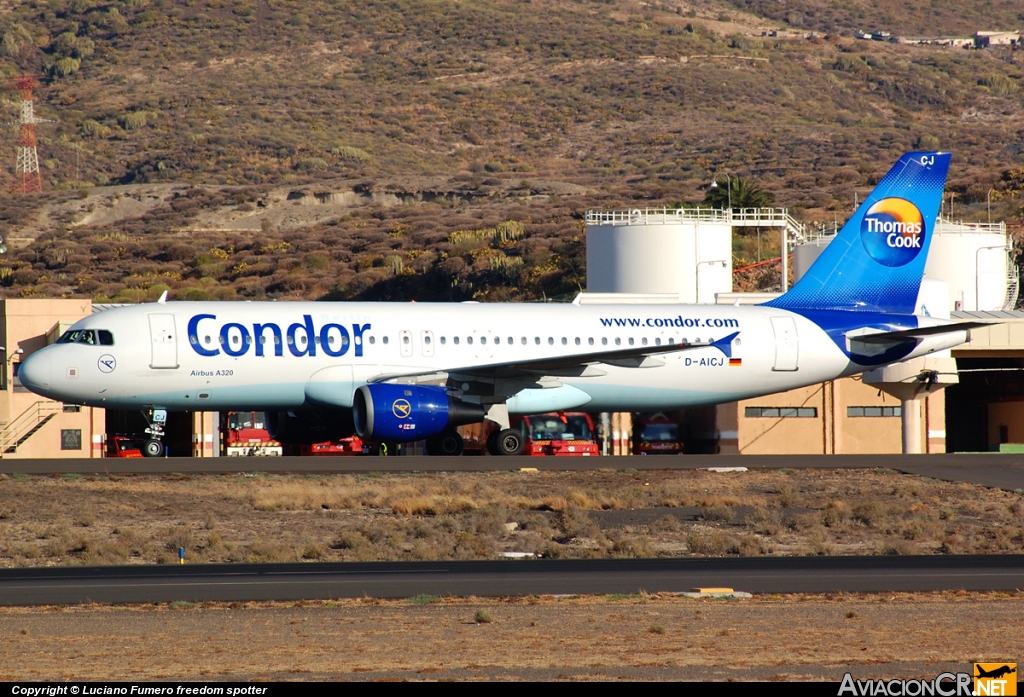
(92,337)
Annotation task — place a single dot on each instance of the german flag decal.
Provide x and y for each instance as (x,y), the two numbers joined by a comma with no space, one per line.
(735,361)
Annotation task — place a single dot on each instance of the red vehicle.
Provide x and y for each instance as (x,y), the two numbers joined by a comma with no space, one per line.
(346,446)
(124,446)
(246,435)
(656,435)
(560,434)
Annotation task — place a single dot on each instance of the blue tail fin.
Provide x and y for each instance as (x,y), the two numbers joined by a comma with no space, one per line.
(877,260)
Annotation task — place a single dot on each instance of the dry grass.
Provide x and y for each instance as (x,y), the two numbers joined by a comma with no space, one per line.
(146,519)
(635,637)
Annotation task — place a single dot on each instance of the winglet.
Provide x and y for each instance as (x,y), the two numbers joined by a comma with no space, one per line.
(163,298)
(725,344)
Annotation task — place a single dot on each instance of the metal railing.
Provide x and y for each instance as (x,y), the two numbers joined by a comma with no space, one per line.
(657,216)
(949,226)
(27,423)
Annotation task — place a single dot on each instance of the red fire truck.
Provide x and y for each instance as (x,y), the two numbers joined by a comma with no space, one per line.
(560,434)
(246,435)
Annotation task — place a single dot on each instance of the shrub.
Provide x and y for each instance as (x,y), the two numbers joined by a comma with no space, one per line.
(66,66)
(134,120)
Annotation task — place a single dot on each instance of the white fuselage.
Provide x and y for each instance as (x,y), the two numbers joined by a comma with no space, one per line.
(262,355)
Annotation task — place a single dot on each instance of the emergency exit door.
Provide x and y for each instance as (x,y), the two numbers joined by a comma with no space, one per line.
(164,340)
(787,347)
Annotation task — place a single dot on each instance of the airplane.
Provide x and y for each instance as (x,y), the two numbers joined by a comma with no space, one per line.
(414,371)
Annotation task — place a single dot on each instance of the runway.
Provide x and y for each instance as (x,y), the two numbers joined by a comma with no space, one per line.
(311,581)
(997,470)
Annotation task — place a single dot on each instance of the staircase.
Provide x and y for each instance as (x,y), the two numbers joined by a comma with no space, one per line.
(26,424)
(1012,285)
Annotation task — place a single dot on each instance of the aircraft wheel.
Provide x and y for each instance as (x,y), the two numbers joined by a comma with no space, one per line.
(448,444)
(153,448)
(509,442)
(492,443)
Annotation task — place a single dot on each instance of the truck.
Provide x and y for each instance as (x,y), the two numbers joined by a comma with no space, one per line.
(558,434)
(555,434)
(352,445)
(125,446)
(245,435)
(656,434)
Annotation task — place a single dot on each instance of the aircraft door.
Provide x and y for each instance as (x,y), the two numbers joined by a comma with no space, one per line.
(427,343)
(787,346)
(164,340)
(405,341)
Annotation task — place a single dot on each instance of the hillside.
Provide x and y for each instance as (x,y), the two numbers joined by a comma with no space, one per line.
(359,142)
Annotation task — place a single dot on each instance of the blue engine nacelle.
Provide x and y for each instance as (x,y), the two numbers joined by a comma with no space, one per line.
(384,411)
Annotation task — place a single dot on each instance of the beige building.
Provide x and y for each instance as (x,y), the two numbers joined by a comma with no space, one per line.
(986,410)
(32,426)
(840,417)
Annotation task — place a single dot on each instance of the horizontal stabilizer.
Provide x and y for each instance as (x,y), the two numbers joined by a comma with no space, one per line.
(920,332)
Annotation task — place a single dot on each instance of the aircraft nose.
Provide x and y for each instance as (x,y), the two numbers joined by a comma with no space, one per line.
(34,372)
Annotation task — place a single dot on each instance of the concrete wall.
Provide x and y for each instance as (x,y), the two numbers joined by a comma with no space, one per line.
(24,324)
(831,430)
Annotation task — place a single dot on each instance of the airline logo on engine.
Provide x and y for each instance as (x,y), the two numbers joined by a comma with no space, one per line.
(893,231)
(401,408)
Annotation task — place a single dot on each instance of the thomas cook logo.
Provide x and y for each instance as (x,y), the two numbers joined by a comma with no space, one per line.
(893,231)
(995,679)
(401,408)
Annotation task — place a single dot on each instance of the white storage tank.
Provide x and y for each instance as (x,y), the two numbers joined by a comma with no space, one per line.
(972,259)
(680,251)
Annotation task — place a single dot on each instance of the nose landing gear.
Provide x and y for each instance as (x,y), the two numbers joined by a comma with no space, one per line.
(156,418)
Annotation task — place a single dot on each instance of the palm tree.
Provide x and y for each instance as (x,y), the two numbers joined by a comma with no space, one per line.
(742,193)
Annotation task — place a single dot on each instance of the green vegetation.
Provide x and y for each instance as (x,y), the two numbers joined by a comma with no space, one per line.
(504,104)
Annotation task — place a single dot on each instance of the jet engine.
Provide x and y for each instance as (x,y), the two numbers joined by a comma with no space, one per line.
(409,412)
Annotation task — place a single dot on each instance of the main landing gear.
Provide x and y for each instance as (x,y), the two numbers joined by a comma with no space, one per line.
(507,441)
(156,418)
(446,443)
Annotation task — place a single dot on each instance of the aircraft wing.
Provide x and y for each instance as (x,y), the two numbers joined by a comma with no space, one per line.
(576,365)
